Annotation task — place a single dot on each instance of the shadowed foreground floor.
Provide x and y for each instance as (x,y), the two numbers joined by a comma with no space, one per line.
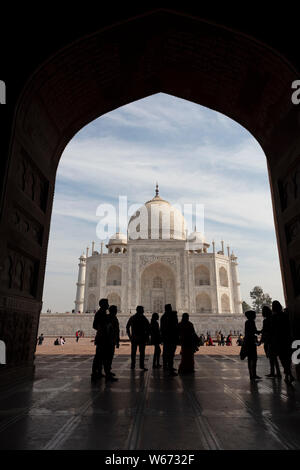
(217,408)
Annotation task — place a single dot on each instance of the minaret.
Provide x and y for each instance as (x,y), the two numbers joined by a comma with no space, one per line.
(80,284)
(236,285)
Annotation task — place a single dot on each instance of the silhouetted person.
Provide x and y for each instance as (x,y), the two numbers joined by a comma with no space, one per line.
(266,335)
(103,341)
(155,339)
(209,341)
(40,339)
(170,338)
(240,340)
(281,339)
(229,340)
(249,344)
(138,330)
(189,341)
(164,320)
(113,310)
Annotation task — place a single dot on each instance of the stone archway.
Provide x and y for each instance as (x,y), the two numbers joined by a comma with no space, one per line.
(223,277)
(225,304)
(114,276)
(184,56)
(203,303)
(157,288)
(114,299)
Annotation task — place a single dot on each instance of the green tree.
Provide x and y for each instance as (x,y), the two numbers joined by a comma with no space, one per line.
(245,306)
(259,299)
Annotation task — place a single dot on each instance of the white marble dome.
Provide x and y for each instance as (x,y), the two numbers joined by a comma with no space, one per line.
(118,239)
(196,237)
(157,219)
(196,241)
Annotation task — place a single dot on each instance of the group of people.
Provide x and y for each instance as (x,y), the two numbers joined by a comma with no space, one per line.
(169,332)
(276,338)
(59,341)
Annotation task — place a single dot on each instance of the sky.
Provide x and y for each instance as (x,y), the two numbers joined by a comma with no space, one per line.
(196,155)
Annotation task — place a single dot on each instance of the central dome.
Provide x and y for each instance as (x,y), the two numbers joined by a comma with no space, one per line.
(157,219)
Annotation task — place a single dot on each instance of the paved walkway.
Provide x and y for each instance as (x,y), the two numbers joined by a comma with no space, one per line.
(85,346)
(217,408)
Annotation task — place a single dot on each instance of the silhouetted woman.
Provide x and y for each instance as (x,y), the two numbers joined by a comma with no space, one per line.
(266,334)
(189,345)
(155,339)
(281,339)
(249,344)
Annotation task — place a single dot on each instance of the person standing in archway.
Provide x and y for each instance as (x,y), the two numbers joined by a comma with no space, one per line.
(266,336)
(249,348)
(103,339)
(155,339)
(190,342)
(115,340)
(281,339)
(170,338)
(138,330)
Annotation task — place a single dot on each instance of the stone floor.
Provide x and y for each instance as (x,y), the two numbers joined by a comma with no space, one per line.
(217,408)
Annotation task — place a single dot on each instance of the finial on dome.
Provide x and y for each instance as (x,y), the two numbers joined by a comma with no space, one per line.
(156,189)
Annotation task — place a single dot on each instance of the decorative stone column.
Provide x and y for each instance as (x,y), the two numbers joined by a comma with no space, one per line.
(80,284)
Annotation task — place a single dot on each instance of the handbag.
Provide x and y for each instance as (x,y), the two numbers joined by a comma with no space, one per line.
(243,351)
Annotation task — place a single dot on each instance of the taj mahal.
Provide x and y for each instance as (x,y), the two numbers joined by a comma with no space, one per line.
(158,262)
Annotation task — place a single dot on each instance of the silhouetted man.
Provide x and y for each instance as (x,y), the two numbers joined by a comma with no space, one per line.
(113,310)
(164,321)
(103,341)
(138,330)
(40,339)
(170,338)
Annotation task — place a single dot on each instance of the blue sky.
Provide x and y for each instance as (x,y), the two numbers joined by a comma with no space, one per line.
(197,156)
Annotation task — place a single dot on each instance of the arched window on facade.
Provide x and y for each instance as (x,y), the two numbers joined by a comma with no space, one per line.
(114,299)
(114,276)
(91,307)
(203,303)
(158,305)
(225,304)
(93,277)
(223,277)
(157,282)
(202,276)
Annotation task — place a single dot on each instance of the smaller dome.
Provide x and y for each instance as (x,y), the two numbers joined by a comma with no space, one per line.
(196,237)
(196,242)
(118,239)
